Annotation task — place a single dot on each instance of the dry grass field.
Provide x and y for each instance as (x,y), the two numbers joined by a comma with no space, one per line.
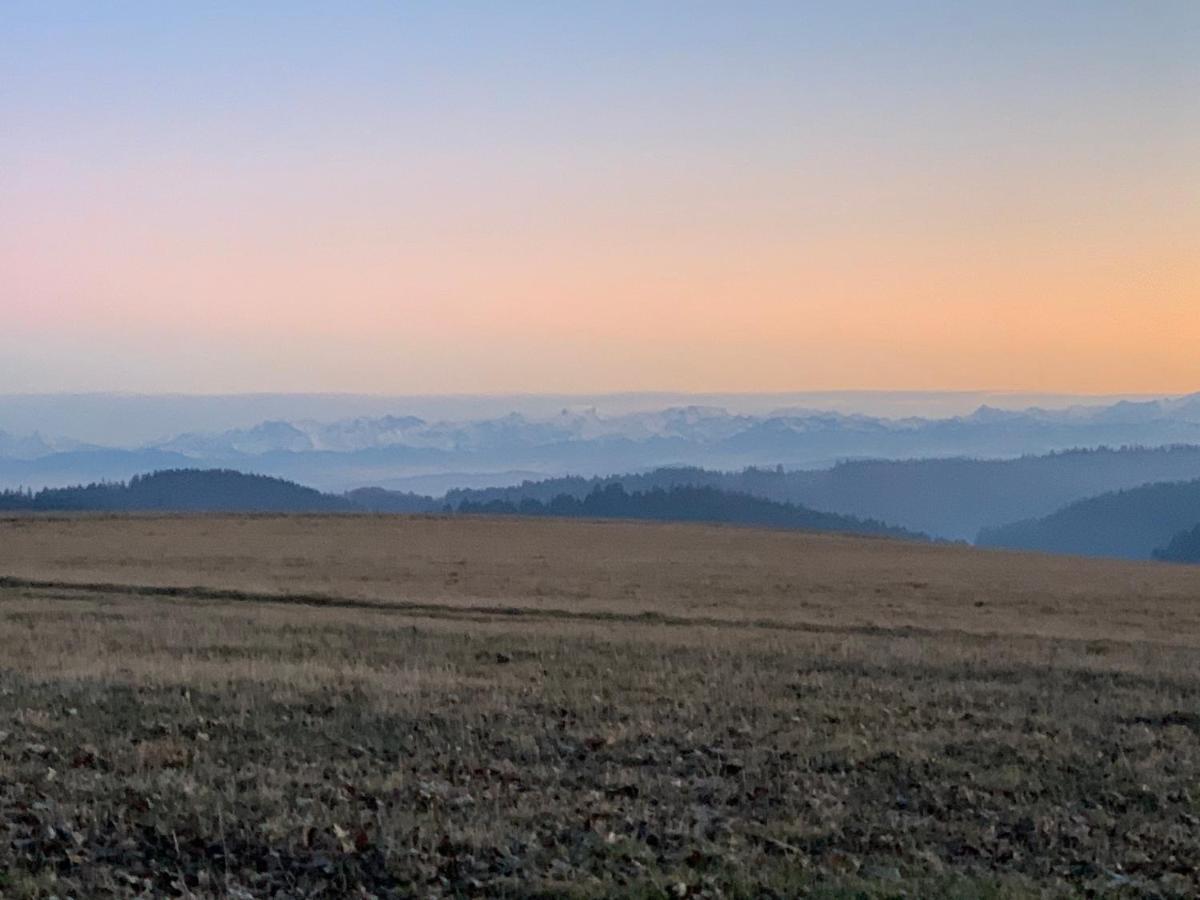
(396,707)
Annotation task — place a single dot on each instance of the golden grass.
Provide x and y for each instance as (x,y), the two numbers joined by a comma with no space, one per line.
(455,707)
(624,568)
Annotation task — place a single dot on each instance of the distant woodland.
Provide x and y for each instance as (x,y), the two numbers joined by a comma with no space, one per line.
(1150,521)
(1132,524)
(193,490)
(949,498)
(181,490)
(686,504)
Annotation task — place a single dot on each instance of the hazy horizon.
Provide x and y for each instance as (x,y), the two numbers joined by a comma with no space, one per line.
(99,416)
(343,441)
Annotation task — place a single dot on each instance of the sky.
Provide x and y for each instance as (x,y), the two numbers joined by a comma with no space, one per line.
(422,198)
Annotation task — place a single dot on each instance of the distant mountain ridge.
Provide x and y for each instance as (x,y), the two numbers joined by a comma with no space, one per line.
(365,451)
(807,434)
(139,420)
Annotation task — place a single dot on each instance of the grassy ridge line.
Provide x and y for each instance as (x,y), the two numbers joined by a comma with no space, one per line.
(477,612)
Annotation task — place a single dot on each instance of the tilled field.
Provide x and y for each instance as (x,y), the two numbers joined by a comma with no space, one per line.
(214,742)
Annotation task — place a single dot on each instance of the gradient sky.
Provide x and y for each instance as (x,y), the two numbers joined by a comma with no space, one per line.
(561,196)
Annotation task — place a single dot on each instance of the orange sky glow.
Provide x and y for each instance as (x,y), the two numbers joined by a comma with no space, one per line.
(944,234)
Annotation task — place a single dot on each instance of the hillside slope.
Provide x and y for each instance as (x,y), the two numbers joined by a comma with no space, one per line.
(690,504)
(182,490)
(1128,524)
(1182,548)
(951,498)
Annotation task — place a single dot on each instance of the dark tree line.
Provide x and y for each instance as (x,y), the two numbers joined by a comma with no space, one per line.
(180,490)
(194,490)
(951,497)
(685,504)
(1184,547)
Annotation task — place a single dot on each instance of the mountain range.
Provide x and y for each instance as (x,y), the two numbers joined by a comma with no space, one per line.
(393,450)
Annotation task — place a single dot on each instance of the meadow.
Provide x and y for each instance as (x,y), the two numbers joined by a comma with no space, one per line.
(426,706)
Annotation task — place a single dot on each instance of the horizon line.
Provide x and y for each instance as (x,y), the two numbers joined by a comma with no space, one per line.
(949,392)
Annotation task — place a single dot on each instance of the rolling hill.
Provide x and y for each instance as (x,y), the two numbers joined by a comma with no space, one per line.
(689,504)
(182,490)
(949,498)
(194,490)
(1130,524)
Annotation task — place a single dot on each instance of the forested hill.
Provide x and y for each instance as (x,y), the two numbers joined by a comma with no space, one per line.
(182,490)
(1132,524)
(951,498)
(688,504)
(195,490)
